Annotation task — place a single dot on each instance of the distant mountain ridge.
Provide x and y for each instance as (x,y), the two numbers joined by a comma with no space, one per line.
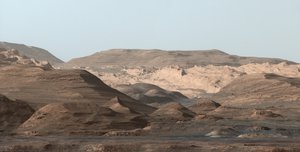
(32,52)
(161,58)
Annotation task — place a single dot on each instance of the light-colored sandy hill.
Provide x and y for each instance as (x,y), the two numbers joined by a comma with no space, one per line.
(152,95)
(12,114)
(195,81)
(32,52)
(192,73)
(85,118)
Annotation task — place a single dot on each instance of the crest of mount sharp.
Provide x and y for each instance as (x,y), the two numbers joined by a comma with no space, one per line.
(160,58)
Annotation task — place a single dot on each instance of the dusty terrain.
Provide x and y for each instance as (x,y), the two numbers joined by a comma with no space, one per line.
(231,104)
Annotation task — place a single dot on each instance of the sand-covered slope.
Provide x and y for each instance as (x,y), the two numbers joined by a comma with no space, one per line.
(67,102)
(40,87)
(38,84)
(78,118)
(260,106)
(260,89)
(32,52)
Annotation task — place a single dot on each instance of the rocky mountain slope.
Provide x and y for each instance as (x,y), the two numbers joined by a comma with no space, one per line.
(32,52)
(40,87)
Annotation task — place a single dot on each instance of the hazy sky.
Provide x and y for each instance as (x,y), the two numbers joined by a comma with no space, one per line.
(73,28)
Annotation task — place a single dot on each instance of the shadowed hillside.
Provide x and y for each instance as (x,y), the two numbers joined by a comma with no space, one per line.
(32,52)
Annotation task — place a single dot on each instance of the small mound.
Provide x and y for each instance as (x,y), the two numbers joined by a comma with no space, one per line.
(261,135)
(203,106)
(152,95)
(231,112)
(208,117)
(258,128)
(174,111)
(13,114)
(222,132)
(78,119)
(264,114)
(135,132)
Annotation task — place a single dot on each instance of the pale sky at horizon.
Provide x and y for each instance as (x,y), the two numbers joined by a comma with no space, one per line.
(74,28)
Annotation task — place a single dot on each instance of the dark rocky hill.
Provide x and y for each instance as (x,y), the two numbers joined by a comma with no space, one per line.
(32,52)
